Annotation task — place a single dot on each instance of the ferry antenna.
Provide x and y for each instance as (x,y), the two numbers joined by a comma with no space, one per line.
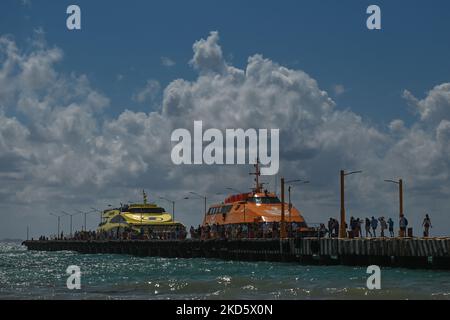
(257,174)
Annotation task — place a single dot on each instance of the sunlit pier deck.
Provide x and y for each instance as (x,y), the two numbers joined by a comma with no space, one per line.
(393,252)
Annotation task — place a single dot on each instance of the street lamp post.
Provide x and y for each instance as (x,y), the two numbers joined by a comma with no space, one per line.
(173,206)
(342,231)
(200,197)
(289,192)
(100,211)
(400,193)
(85,213)
(70,215)
(59,222)
(282,224)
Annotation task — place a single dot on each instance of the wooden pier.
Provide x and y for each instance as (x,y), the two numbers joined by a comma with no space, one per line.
(392,252)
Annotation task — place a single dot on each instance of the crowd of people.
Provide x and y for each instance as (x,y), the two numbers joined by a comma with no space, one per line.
(263,230)
(177,233)
(355,228)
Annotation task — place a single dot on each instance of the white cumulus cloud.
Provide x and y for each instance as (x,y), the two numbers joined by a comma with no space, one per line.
(65,151)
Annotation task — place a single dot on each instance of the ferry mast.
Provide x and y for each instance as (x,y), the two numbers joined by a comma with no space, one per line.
(257,174)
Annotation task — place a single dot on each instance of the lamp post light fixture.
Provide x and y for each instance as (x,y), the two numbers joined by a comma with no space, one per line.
(173,206)
(85,213)
(289,192)
(342,232)
(100,211)
(200,197)
(59,222)
(70,215)
(400,194)
(234,190)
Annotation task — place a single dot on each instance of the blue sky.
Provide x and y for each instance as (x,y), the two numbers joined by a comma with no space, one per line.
(66,142)
(327,39)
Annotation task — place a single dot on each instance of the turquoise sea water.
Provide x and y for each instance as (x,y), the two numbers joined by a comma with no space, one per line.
(42,275)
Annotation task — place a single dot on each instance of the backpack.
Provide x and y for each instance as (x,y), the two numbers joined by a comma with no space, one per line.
(406,222)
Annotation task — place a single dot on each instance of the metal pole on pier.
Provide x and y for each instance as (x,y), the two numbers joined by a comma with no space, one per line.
(201,197)
(59,223)
(101,212)
(400,191)
(282,224)
(400,194)
(85,213)
(289,203)
(342,231)
(71,215)
(289,193)
(173,206)
(342,225)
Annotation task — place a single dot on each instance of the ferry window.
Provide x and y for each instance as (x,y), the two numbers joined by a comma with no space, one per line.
(264,200)
(210,211)
(117,219)
(147,210)
(226,209)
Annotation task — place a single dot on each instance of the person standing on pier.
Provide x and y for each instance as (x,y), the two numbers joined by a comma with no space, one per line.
(352,226)
(391,227)
(383,225)
(367,225)
(330,227)
(336,228)
(358,228)
(426,226)
(403,223)
(374,224)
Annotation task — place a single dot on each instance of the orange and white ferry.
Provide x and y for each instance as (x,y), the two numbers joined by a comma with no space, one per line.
(257,206)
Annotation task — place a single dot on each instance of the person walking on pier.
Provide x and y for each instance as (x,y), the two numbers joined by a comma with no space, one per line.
(403,223)
(426,226)
(336,228)
(330,227)
(358,228)
(352,227)
(367,225)
(391,227)
(383,225)
(374,225)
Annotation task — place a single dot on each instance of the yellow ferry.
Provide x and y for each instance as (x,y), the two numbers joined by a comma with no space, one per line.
(143,218)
